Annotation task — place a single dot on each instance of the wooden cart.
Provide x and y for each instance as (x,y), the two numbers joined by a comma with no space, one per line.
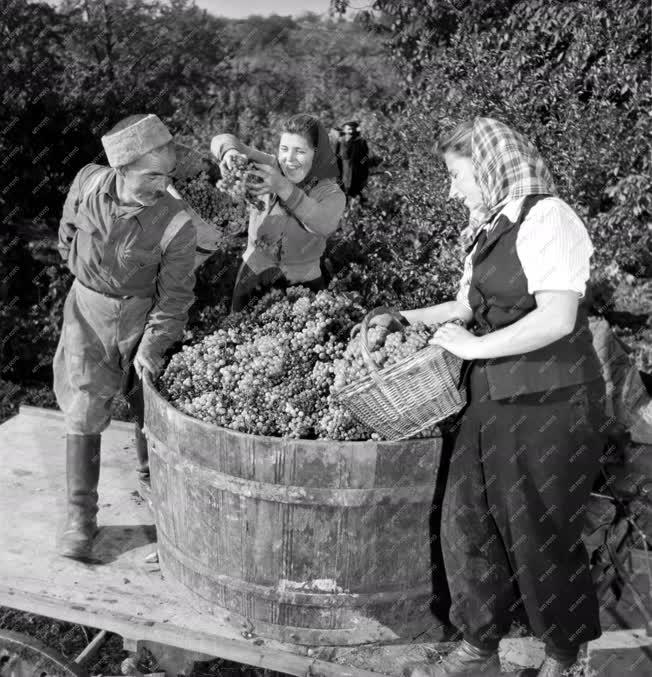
(125,594)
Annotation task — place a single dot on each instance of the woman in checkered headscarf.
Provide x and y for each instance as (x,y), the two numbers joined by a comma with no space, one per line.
(507,165)
(528,444)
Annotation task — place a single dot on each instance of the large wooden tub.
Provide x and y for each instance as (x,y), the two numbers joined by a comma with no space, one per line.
(314,542)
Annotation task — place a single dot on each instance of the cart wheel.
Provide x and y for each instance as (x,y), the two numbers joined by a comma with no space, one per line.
(23,656)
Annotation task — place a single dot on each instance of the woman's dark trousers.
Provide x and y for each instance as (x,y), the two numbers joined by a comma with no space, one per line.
(520,476)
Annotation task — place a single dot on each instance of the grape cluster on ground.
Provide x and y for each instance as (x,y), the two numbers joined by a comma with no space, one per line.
(275,369)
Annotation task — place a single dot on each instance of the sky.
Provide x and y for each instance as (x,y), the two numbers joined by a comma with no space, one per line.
(237,9)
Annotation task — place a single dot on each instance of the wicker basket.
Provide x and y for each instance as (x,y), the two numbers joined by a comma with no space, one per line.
(408,397)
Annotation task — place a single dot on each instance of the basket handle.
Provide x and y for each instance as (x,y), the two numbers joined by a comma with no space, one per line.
(364,345)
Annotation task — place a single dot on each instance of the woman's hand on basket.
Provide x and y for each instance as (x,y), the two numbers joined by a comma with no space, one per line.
(457,340)
(386,321)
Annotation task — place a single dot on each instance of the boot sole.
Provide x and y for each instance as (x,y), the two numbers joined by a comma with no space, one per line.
(79,557)
(79,550)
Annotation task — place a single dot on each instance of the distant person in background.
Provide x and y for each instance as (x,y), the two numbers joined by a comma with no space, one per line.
(303,206)
(334,138)
(354,153)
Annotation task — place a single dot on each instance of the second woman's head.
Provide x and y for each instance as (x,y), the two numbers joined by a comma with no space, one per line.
(490,163)
(455,147)
(297,146)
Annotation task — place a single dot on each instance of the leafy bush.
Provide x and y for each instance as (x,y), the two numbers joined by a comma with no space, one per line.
(574,77)
(33,289)
(70,72)
(393,263)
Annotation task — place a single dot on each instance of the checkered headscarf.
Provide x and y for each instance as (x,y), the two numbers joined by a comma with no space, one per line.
(507,167)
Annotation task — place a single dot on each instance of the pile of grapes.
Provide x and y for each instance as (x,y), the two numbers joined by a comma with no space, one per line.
(212,204)
(234,183)
(272,370)
(385,349)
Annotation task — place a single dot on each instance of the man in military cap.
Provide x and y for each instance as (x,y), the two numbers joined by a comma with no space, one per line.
(131,247)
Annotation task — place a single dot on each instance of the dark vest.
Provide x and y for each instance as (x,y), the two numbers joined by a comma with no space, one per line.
(499,296)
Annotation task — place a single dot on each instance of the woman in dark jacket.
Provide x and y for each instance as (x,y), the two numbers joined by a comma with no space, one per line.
(529,442)
(354,154)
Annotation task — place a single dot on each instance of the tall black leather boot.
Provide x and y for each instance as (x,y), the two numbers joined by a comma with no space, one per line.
(142,455)
(82,477)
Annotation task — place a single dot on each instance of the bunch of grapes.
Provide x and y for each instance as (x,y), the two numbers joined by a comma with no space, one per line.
(270,370)
(385,349)
(276,368)
(234,183)
(213,205)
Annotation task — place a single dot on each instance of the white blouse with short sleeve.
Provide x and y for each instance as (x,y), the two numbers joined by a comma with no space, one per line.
(553,246)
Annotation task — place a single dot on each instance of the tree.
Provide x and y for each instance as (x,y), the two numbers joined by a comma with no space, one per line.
(573,76)
(31,37)
(69,75)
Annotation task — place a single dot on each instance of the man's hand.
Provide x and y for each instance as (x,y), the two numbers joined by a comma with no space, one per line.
(150,363)
(226,164)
